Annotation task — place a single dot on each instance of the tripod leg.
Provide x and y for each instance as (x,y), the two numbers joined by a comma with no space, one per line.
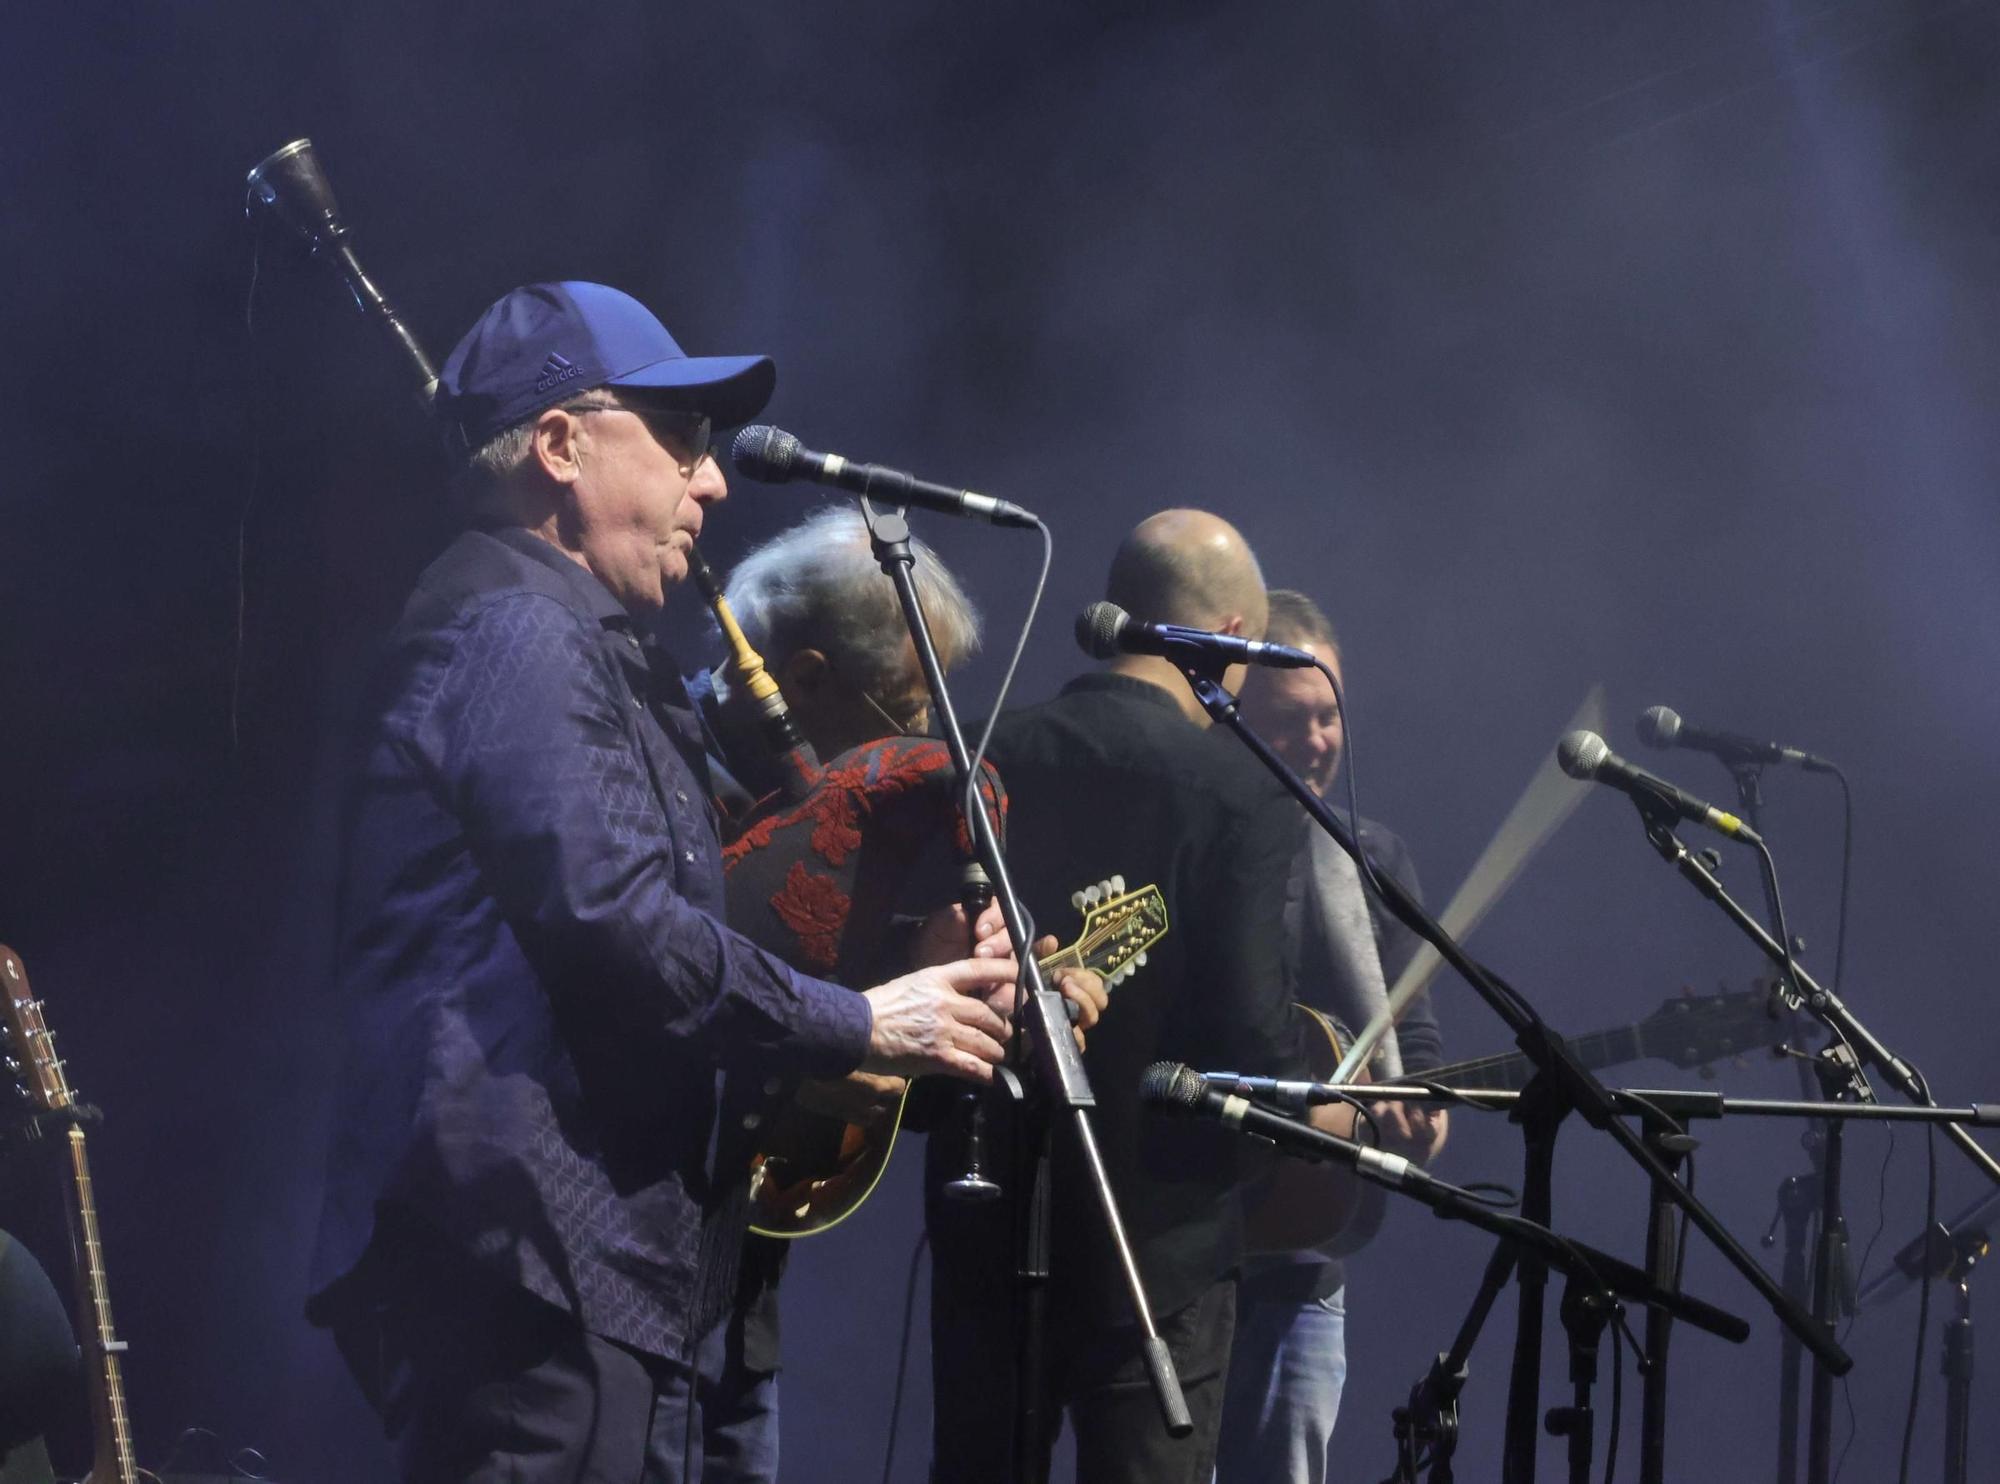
(1958,1393)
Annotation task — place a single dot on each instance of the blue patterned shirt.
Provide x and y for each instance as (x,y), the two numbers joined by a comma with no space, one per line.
(558,1056)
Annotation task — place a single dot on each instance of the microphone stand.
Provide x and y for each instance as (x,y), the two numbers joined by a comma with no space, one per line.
(1798,1197)
(1046,1030)
(1853,1050)
(1949,1250)
(1560,1084)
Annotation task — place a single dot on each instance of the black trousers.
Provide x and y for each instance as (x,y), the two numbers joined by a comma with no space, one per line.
(1096,1373)
(481,1384)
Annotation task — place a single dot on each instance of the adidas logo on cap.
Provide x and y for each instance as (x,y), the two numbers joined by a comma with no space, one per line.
(555,371)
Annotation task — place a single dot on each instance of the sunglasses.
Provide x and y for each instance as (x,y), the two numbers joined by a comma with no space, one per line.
(683,434)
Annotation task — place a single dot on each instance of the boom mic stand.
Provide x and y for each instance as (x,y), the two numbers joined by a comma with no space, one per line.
(1062,1081)
(1855,1049)
(1951,1252)
(1559,1085)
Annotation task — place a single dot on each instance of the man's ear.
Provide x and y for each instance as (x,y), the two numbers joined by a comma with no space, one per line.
(1231,625)
(554,449)
(805,674)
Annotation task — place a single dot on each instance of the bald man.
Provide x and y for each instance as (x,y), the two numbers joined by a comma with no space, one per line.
(1120,775)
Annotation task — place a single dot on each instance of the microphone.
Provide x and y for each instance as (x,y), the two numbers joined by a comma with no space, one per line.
(1661,726)
(1180,1088)
(1104,630)
(1584,755)
(1296,1096)
(773,456)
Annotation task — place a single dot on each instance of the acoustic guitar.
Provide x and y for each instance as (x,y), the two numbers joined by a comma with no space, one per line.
(814,1171)
(1345,1212)
(31,1057)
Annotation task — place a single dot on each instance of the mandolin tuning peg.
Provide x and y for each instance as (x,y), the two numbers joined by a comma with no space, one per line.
(1140,959)
(1118,885)
(1093,895)
(1076,900)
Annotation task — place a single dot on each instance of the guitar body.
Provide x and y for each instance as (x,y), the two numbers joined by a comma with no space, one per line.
(1323,1207)
(1329,1209)
(814,1170)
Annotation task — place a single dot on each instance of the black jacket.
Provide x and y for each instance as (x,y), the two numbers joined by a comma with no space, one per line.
(1110,778)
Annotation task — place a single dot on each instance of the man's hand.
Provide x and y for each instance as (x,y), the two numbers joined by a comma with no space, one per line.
(1081,987)
(859,1097)
(1416,1131)
(1085,991)
(950,1019)
(944,938)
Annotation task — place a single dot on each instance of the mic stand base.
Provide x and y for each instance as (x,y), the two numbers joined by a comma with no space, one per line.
(1427,1426)
(1971,1247)
(1586,1309)
(1671,1141)
(1798,1199)
(1540,1114)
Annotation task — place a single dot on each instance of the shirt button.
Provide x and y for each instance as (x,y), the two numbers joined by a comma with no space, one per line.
(680,796)
(751,1121)
(773,1086)
(688,856)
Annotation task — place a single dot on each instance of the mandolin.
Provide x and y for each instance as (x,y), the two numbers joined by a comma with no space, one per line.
(1688,1031)
(32,1058)
(814,1170)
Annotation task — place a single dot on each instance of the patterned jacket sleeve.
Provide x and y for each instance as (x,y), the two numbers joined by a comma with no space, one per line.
(528,738)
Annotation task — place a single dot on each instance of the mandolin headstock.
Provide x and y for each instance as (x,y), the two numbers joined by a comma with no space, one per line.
(1118,927)
(31,1046)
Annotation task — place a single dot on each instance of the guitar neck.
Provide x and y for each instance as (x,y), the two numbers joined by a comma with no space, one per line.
(1071,957)
(113,1461)
(1510,1072)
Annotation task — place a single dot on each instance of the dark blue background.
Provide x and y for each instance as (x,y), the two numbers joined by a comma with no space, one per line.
(1546,343)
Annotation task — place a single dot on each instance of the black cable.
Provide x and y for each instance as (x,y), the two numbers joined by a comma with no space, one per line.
(1846,863)
(1617,1401)
(1366,1115)
(1860,1277)
(1924,1297)
(1790,967)
(903,1353)
(1366,867)
(971,800)
(253,476)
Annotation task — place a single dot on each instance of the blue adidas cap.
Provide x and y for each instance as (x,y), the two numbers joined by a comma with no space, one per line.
(546,342)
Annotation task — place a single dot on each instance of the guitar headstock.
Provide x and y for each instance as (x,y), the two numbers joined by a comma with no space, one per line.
(31,1048)
(1691,1031)
(1118,927)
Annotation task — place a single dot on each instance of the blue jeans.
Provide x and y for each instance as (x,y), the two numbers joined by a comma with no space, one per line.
(1286,1371)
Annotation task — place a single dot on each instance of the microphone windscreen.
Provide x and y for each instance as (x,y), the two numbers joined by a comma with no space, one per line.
(1098,628)
(291,184)
(764,452)
(1659,726)
(1581,754)
(1173,1083)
